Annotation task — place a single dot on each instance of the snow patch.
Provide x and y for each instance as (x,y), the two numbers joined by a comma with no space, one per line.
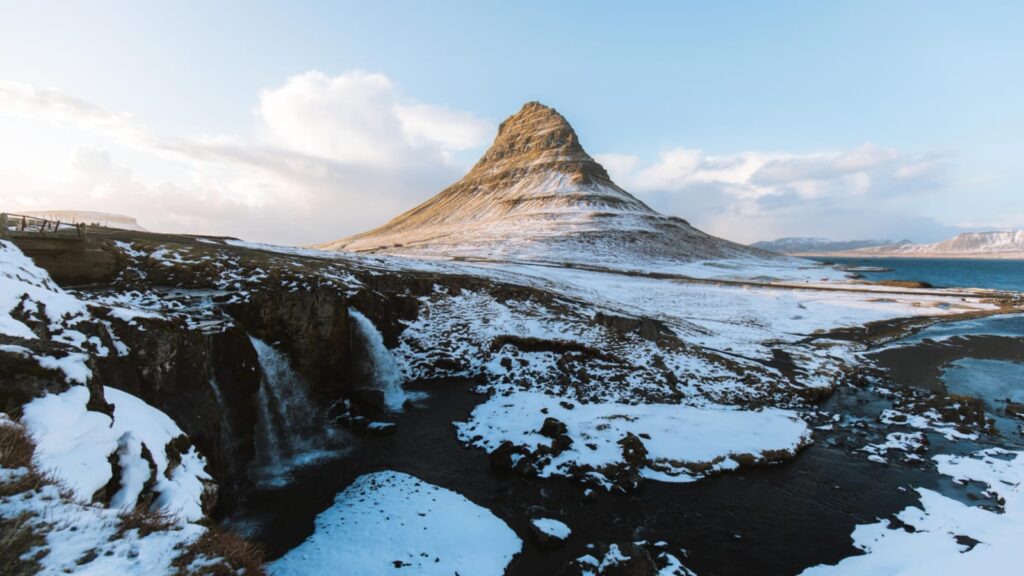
(948,537)
(682,442)
(393,523)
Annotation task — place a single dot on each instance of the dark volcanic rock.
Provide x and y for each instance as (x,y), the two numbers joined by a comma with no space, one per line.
(207,383)
(553,427)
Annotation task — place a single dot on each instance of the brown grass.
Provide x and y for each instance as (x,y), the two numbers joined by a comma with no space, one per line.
(236,555)
(231,554)
(16,447)
(18,535)
(145,520)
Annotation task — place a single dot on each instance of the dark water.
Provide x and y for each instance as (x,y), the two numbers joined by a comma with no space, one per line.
(768,520)
(943,272)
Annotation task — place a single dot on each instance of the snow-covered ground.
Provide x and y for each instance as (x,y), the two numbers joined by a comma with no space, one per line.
(945,536)
(682,443)
(393,523)
(74,445)
(89,539)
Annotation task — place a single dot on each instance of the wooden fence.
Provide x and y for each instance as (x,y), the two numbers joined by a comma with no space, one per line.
(21,226)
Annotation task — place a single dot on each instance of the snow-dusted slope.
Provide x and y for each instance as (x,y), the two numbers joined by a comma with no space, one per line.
(1000,244)
(804,245)
(537,195)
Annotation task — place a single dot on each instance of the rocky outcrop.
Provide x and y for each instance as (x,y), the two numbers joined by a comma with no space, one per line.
(206,382)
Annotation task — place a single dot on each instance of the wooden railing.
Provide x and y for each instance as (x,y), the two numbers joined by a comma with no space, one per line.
(21,226)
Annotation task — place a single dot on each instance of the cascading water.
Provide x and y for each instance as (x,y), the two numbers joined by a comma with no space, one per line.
(291,431)
(386,373)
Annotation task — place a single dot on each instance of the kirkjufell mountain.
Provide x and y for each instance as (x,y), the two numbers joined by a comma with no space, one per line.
(536,195)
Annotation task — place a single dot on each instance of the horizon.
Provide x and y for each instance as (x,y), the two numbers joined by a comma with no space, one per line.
(850,121)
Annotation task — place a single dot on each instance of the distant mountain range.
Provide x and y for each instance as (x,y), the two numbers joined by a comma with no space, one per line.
(803,245)
(1008,244)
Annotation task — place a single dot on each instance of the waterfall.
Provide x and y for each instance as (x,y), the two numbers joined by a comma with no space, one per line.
(291,431)
(386,373)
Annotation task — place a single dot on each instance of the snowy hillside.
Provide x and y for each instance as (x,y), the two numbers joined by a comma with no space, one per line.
(805,245)
(1000,244)
(536,195)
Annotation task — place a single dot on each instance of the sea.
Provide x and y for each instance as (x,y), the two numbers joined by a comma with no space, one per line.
(940,272)
(993,380)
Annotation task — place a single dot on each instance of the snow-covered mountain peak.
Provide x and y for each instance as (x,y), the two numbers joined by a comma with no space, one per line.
(537,195)
(992,244)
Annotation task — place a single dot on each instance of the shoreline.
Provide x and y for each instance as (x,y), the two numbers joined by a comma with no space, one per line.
(913,256)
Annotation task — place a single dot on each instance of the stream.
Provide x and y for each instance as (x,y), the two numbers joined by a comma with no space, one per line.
(775,519)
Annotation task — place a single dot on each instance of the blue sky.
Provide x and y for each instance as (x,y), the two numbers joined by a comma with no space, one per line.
(751,119)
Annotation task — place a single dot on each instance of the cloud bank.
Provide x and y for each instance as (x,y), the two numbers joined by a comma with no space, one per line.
(865,192)
(327,156)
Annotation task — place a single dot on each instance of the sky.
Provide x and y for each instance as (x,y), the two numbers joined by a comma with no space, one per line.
(303,122)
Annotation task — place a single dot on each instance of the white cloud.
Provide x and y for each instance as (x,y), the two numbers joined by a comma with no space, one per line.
(329,156)
(55,107)
(864,192)
(360,118)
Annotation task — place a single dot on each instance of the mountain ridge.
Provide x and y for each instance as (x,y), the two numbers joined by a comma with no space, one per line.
(796,245)
(1007,244)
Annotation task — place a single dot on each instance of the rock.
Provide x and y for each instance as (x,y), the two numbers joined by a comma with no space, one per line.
(561,444)
(1015,409)
(553,427)
(507,455)
(633,451)
(369,400)
(627,559)
(549,533)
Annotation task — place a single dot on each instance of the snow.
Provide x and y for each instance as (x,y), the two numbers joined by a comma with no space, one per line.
(393,523)
(74,366)
(25,285)
(680,440)
(74,444)
(932,547)
(907,442)
(71,442)
(1004,243)
(74,530)
(180,492)
(552,527)
(728,316)
(614,556)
